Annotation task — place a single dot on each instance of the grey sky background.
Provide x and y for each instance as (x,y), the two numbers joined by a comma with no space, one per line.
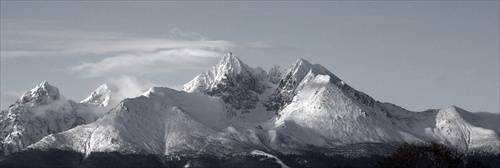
(418,55)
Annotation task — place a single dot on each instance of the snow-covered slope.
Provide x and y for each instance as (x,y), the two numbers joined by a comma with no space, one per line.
(234,109)
(228,67)
(39,112)
(162,121)
(452,126)
(323,108)
(99,97)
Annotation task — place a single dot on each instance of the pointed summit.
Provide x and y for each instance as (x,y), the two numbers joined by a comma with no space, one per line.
(228,56)
(231,80)
(229,66)
(43,84)
(99,97)
(299,69)
(39,112)
(45,89)
(42,93)
(302,61)
(291,78)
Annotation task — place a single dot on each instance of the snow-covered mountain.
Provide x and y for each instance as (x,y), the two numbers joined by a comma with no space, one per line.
(99,97)
(233,81)
(232,109)
(39,112)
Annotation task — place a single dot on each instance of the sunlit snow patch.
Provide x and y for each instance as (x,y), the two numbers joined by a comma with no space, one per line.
(258,152)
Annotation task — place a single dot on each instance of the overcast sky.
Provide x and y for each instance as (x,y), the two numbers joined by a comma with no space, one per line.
(418,55)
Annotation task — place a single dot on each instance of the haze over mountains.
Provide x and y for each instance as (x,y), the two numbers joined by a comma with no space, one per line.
(233,109)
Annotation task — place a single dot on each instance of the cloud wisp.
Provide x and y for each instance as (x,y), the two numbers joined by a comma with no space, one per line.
(153,44)
(125,86)
(141,56)
(163,61)
(77,42)
(117,57)
(122,54)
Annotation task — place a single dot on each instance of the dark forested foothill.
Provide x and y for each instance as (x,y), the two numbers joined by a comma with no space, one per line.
(435,155)
(409,156)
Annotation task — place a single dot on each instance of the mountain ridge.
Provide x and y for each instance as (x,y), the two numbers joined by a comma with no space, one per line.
(39,112)
(319,106)
(232,109)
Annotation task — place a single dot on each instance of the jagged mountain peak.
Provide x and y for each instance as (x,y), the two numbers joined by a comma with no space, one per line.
(43,84)
(289,79)
(233,81)
(275,74)
(42,92)
(102,89)
(314,110)
(45,88)
(39,112)
(99,97)
(104,86)
(302,62)
(229,66)
(229,57)
(301,67)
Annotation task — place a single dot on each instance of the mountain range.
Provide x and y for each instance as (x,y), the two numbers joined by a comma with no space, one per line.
(233,110)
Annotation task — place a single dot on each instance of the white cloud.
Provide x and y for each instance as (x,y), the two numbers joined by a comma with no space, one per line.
(178,34)
(137,56)
(124,86)
(77,42)
(122,54)
(145,45)
(163,61)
